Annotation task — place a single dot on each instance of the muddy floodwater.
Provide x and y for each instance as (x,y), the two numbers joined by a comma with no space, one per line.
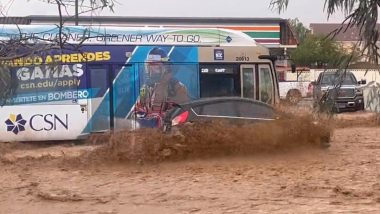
(99,178)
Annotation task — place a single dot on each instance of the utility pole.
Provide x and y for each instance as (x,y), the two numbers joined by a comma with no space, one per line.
(76,12)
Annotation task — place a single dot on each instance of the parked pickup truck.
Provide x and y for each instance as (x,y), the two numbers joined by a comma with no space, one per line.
(294,91)
(342,89)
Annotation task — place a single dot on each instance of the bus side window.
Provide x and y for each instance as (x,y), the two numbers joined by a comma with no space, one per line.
(266,84)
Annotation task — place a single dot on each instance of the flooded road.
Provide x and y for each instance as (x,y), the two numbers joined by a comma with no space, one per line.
(344,178)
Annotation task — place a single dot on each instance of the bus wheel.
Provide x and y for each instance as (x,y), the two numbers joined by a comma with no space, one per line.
(293,97)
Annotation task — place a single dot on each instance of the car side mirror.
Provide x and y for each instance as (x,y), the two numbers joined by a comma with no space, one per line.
(293,66)
(362,82)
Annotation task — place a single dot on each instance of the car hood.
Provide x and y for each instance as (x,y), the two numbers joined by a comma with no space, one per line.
(329,87)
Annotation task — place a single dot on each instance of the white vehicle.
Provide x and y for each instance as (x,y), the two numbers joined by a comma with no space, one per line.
(294,91)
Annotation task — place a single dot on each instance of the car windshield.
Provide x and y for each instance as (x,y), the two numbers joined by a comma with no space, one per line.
(332,79)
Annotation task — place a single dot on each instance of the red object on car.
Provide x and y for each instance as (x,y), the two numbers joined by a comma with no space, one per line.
(180,118)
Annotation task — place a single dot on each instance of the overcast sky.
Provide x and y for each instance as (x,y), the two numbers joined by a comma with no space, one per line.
(308,11)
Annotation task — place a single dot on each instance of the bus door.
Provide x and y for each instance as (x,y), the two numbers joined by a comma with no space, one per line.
(114,91)
(100,97)
(266,85)
(125,88)
(248,81)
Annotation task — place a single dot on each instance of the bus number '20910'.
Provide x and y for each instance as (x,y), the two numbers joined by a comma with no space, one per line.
(242,58)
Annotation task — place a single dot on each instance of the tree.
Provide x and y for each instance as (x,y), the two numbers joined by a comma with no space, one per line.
(362,14)
(26,47)
(319,51)
(299,29)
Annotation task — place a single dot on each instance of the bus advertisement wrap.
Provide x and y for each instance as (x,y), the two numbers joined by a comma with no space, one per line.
(154,75)
(44,122)
(118,77)
(61,76)
(130,73)
(127,36)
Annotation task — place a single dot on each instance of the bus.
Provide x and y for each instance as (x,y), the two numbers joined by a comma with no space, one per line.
(106,78)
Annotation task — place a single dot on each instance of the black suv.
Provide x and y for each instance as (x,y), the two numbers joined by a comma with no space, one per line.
(341,88)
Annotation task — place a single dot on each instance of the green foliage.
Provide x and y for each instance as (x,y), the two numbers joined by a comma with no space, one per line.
(362,14)
(280,5)
(299,29)
(320,51)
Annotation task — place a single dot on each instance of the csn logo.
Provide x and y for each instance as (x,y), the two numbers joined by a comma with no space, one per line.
(37,122)
(218,54)
(15,123)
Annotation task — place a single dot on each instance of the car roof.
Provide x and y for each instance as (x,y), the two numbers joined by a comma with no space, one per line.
(224,99)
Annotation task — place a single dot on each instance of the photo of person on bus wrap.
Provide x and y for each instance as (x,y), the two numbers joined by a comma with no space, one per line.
(159,91)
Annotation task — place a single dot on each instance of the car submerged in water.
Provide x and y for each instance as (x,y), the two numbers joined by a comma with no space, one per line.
(339,90)
(232,109)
